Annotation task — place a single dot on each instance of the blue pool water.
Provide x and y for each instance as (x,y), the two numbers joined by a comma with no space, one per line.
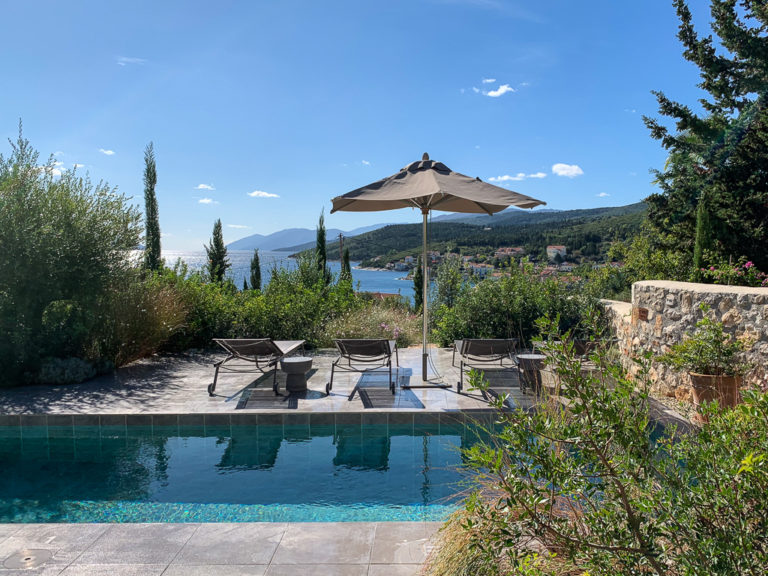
(232,474)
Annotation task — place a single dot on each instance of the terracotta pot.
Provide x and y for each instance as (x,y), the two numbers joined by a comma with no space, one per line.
(708,387)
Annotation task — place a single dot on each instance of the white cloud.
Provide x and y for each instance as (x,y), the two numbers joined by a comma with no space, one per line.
(261,194)
(207,201)
(204,187)
(462,90)
(58,153)
(238,226)
(602,195)
(76,165)
(107,152)
(503,89)
(125,60)
(524,84)
(475,90)
(567,170)
(489,80)
(630,110)
(365,163)
(517,177)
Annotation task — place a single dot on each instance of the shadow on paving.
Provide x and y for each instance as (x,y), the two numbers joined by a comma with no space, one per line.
(142,382)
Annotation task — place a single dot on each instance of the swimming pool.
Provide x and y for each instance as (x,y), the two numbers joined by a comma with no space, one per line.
(233,473)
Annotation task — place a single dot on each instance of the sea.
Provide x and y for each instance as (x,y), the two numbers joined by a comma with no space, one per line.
(363,279)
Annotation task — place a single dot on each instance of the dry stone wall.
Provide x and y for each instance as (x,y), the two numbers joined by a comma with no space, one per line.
(661,312)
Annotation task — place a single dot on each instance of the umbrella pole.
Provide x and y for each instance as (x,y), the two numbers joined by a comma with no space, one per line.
(425,295)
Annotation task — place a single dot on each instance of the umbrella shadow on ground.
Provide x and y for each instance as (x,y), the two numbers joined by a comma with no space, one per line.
(374,392)
(259,394)
(145,382)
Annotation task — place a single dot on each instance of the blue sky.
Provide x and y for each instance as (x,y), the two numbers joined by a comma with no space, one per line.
(261,112)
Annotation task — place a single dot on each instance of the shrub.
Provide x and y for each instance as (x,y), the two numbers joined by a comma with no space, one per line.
(137,318)
(65,241)
(64,371)
(375,320)
(742,274)
(508,308)
(596,486)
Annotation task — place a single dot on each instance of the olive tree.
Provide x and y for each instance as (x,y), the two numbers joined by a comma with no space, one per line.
(64,241)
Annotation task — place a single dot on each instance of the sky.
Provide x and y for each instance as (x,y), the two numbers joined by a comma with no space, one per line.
(260,112)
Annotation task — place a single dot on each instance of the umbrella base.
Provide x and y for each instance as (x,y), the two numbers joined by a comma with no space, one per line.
(425,383)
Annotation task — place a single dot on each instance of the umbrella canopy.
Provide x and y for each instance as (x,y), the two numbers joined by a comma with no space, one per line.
(430,185)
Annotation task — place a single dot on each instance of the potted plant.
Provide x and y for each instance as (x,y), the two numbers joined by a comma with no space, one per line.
(713,361)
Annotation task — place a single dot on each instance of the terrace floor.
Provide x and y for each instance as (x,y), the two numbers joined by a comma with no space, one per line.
(177,385)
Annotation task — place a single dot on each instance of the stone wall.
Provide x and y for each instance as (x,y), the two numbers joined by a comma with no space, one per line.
(661,312)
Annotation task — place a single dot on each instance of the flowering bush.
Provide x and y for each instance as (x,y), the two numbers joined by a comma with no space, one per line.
(742,274)
(374,321)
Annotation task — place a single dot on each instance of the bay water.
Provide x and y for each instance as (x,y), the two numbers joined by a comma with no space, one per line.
(366,280)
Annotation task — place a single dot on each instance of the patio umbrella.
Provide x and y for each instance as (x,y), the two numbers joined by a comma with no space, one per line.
(430,185)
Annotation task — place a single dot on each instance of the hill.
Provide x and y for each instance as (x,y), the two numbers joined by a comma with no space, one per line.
(291,237)
(586,234)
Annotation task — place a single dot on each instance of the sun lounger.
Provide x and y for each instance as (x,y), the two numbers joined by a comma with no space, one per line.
(484,354)
(358,355)
(254,354)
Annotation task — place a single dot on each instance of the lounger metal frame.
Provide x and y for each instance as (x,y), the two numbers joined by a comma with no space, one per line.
(262,354)
(484,354)
(353,352)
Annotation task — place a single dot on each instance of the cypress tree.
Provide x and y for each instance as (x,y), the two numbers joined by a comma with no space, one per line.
(218,263)
(418,286)
(152,256)
(321,254)
(245,284)
(346,268)
(703,238)
(255,271)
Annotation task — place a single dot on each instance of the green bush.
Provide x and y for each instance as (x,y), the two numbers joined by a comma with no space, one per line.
(65,241)
(588,481)
(375,320)
(508,308)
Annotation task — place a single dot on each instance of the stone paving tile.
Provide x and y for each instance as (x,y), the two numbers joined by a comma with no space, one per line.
(65,541)
(401,542)
(232,543)
(318,570)
(138,544)
(115,570)
(7,530)
(49,570)
(394,569)
(216,570)
(326,543)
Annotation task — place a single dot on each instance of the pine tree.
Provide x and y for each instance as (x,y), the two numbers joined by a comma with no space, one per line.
(218,263)
(255,271)
(418,286)
(152,255)
(721,152)
(245,284)
(321,254)
(346,268)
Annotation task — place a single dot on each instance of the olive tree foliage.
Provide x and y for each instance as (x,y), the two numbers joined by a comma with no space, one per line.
(585,482)
(64,241)
(719,153)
